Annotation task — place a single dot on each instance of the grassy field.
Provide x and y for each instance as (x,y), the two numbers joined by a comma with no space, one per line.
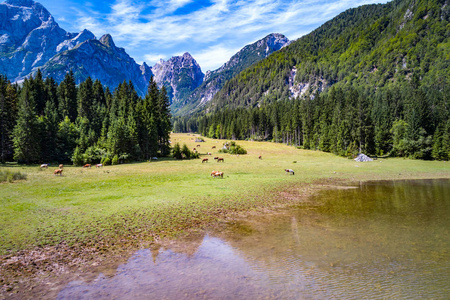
(165,197)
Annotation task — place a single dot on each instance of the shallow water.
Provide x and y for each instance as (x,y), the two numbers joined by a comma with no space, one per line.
(380,240)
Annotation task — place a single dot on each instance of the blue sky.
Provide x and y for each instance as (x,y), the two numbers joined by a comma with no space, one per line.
(212,31)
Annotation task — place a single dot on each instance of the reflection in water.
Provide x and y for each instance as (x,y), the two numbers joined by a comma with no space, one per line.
(382,240)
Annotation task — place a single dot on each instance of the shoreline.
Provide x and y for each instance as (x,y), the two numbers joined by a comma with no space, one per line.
(42,271)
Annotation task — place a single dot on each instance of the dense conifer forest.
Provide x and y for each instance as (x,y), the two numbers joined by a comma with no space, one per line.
(375,79)
(42,122)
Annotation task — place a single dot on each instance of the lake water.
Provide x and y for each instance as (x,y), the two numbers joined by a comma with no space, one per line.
(379,240)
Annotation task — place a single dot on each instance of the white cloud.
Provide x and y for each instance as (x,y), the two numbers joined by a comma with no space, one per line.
(212,34)
(152,58)
(214,56)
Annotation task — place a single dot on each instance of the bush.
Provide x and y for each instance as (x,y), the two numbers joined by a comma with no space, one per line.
(106,161)
(176,151)
(77,157)
(186,152)
(9,176)
(115,160)
(233,148)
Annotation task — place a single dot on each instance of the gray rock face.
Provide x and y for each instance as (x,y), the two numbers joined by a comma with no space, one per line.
(31,39)
(180,75)
(215,80)
(99,59)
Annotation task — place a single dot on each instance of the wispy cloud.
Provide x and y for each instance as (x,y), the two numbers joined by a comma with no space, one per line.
(212,31)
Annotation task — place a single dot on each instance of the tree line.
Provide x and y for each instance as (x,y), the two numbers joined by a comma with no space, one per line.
(405,120)
(43,121)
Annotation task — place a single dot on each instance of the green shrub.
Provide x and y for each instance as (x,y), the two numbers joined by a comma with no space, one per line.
(233,148)
(106,161)
(7,175)
(77,157)
(115,160)
(176,151)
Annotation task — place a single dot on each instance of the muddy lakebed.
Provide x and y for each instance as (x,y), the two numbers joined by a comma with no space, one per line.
(374,240)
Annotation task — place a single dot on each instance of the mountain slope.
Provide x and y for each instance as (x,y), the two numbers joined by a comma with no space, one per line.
(180,75)
(215,80)
(99,59)
(369,46)
(29,37)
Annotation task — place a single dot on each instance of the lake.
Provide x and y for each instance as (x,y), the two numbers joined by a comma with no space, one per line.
(375,240)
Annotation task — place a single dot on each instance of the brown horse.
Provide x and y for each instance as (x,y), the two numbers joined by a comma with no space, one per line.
(204,160)
(61,166)
(260,157)
(213,147)
(58,171)
(87,166)
(220,159)
(216,157)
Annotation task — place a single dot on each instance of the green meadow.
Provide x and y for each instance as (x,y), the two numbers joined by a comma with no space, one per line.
(151,200)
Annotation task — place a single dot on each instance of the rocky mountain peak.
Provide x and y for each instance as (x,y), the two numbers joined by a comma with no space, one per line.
(250,54)
(107,40)
(24,3)
(180,75)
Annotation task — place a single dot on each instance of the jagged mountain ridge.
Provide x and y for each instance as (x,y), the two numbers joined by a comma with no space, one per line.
(99,59)
(214,80)
(30,39)
(180,75)
(371,46)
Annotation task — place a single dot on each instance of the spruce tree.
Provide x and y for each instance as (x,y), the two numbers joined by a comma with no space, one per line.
(67,94)
(27,130)
(8,114)
(164,122)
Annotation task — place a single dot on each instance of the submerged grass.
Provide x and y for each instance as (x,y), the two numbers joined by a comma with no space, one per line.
(166,197)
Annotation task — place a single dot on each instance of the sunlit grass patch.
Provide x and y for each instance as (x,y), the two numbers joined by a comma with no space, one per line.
(166,196)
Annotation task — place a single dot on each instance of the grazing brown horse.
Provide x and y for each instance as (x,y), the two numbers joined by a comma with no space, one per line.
(61,166)
(204,160)
(58,171)
(87,166)
(216,157)
(198,145)
(220,159)
(260,157)
(213,147)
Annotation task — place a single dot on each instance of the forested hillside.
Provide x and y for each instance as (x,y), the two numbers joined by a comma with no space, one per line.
(373,79)
(44,122)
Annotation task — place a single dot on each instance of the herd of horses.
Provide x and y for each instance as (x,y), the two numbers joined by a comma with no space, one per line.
(213,173)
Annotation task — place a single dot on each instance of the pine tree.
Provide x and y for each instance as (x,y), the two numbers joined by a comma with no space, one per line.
(67,94)
(164,122)
(85,99)
(27,130)
(8,114)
